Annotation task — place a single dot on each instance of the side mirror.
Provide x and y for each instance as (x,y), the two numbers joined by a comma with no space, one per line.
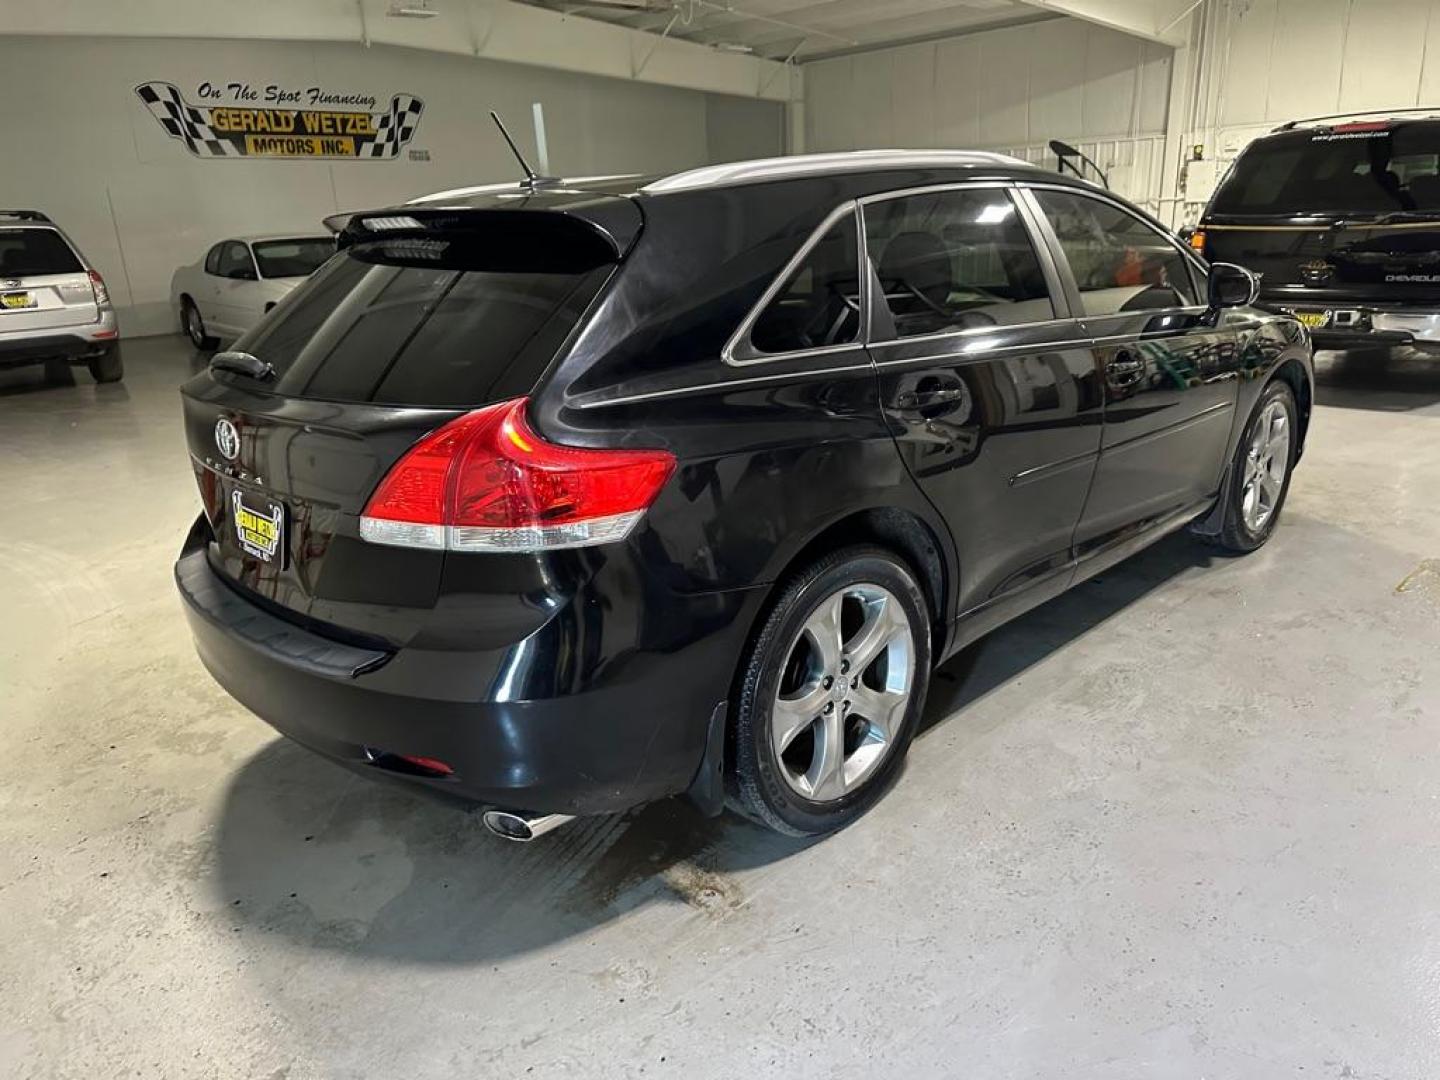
(1232,286)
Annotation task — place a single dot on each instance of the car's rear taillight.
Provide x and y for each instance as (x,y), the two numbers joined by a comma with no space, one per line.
(487,482)
(97,285)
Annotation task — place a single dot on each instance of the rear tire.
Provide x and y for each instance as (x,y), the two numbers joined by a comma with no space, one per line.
(194,324)
(1260,472)
(108,367)
(830,693)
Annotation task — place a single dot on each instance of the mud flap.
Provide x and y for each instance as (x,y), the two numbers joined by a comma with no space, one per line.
(707,789)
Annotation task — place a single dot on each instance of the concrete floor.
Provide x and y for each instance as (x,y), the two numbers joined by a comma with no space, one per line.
(1184,822)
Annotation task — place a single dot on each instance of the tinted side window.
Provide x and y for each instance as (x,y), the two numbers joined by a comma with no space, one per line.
(1120,263)
(819,304)
(212,259)
(235,261)
(955,260)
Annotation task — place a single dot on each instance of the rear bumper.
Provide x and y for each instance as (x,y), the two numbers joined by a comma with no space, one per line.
(1364,325)
(76,344)
(633,738)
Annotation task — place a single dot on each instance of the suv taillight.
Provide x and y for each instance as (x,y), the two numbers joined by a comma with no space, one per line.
(97,285)
(487,482)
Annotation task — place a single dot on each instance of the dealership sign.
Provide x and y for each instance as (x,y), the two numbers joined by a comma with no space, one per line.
(237,122)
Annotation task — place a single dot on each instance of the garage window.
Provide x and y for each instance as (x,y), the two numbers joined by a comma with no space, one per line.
(955,260)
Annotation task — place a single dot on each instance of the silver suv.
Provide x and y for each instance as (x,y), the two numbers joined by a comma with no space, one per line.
(54,307)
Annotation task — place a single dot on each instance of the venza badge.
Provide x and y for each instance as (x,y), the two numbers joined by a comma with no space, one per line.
(227,439)
(277,131)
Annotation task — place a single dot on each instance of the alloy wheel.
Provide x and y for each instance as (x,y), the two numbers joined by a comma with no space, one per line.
(193,326)
(843,692)
(1267,460)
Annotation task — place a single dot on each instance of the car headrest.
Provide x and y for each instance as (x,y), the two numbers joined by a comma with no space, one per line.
(1425,190)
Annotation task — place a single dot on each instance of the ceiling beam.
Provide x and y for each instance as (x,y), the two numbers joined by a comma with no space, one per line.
(489,29)
(1165,21)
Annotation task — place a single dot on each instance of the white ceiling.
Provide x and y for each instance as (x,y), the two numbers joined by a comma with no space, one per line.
(776,29)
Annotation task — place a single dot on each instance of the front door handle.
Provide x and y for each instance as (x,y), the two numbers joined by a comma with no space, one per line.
(1125,369)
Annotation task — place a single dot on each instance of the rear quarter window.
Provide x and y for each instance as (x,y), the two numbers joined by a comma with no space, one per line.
(35,252)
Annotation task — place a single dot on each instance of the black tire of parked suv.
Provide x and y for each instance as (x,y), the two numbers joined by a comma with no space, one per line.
(108,366)
(194,324)
(758,790)
(1235,533)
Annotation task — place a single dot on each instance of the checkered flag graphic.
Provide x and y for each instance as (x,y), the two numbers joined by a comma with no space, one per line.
(394,127)
(184,122)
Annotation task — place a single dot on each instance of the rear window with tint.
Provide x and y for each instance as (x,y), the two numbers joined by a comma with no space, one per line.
(1334,170)
(437,323)
(31,252)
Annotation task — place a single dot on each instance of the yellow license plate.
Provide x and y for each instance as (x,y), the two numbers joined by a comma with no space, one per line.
(1313,319)
(258,529)
(12,300)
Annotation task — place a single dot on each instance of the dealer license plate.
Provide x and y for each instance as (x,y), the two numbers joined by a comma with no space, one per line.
(1313,319)
(15,301)
(259,525)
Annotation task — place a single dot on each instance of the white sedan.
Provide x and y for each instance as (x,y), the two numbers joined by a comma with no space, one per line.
(228,291)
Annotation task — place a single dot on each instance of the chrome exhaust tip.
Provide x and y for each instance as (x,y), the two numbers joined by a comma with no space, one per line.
(520,827)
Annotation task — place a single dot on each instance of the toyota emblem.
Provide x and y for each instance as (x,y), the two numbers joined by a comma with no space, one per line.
(227,439)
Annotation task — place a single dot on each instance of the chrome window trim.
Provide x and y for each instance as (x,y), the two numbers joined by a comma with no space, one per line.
(932,189)
(982,355)
(740,339)
(725,384)
(973,331)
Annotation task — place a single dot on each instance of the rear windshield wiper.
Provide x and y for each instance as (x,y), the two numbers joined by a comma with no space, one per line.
(242,363)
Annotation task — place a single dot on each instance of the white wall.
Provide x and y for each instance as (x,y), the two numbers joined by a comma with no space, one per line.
(82,147)
(1012,89)
(1254,64)
(1268,61)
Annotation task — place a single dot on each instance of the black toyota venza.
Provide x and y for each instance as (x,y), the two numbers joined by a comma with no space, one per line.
(567,496)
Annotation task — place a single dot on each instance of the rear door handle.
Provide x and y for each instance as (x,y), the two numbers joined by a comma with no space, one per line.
(914,399)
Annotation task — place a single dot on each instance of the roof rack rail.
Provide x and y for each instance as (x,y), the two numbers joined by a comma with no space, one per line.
(1291,125)
(24,215)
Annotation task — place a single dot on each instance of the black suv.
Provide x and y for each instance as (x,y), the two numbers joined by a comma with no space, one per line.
(564,497)
(1341,218)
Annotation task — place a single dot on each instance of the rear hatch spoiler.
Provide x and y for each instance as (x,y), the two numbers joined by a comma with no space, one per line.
(588,232)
